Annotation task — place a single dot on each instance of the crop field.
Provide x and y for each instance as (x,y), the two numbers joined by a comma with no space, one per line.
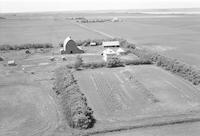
(136,92)
(25,107)
(19,31)
(176,36)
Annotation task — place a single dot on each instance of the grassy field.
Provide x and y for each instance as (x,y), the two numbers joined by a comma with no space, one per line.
(176,36)
(126,95)
(26,106)
(20,31)
(134,92)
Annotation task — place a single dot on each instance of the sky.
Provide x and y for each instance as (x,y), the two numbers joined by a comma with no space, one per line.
(76,5)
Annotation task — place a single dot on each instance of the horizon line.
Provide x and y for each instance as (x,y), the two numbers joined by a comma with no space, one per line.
(97,11)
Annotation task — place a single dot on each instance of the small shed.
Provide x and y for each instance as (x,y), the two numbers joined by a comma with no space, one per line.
(70,47)
(115,19)
(11,63)
(108,53)
(111,44)
(120,51)
(93,43)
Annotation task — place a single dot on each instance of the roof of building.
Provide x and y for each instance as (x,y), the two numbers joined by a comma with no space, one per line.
(67,40)
(120,50)
(111,43)
(109,51)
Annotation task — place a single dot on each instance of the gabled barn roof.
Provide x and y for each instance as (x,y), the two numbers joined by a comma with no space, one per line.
(67,40)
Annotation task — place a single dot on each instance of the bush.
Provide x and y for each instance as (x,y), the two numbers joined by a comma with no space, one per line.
(78,62)
(25,46)
(113,62)
(72,100)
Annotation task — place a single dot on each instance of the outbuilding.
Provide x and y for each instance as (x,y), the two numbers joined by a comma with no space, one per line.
(115,19)
(93,43)
(70,47)
(111,44)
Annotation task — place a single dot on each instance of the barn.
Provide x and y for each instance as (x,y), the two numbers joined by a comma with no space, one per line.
(111,44)
(70,47)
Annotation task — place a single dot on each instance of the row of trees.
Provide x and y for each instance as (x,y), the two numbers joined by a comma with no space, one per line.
(25,46)
(110,63)
(72,100)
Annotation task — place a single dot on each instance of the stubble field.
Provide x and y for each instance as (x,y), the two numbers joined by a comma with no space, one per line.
(136,92)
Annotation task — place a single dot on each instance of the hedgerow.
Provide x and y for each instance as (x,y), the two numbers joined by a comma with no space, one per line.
(73,101)
(120,63)
(25,46)
(190,73)
(137,62)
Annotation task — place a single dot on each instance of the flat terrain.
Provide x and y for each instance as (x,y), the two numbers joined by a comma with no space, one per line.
(135,92)
(175,35)
(128,95)
(27,106)
(187,129)
(19,31)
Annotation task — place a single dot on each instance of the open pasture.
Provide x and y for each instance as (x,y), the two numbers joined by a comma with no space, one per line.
(175,36)
(25,107)
(135,92)
(19,31)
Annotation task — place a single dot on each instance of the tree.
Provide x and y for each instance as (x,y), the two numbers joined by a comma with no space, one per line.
(78,62)
(113,62)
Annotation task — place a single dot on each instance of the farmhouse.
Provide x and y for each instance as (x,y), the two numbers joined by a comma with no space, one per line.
(69,47)
(111,44)
(108,53)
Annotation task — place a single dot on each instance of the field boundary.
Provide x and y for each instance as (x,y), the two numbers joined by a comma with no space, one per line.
(148,122)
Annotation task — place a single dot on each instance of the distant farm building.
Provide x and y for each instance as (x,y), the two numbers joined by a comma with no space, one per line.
(70,47)
(108,53)
(11,63)
(115,19)
(93,44)
(111,44)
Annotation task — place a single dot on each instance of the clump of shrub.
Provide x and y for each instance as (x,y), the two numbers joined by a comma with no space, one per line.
(113,62)
(190,73)
(78,62)
(73,101)
(25,46)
